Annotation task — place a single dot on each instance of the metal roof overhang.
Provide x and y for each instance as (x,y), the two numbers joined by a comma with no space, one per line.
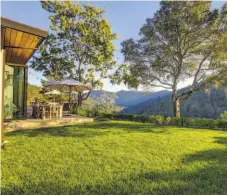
(20,41)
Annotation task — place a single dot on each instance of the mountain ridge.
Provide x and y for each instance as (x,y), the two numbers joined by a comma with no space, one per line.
(199,105)
(129,98)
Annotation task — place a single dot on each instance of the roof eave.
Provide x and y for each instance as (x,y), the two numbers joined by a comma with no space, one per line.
(5,22)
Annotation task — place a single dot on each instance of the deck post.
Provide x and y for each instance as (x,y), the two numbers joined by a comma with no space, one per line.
(2,72)
(25,90)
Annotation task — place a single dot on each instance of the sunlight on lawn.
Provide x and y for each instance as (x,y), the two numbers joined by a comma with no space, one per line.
(115,158)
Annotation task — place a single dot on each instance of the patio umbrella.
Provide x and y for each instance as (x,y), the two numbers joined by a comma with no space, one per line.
(53,92)
(68,85)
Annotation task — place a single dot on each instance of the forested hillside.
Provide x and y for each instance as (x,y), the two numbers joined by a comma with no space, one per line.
(200,104)
(130,98)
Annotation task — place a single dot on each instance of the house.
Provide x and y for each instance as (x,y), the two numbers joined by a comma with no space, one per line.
(18,44)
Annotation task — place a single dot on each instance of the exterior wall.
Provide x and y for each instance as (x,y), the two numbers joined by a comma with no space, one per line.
(15,91)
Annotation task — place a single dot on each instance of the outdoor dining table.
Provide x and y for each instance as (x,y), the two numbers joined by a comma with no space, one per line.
(48,111)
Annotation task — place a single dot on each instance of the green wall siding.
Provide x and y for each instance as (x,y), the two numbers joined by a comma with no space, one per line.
(14,92)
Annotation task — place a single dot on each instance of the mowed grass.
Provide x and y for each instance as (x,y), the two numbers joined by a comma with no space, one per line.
(115,158)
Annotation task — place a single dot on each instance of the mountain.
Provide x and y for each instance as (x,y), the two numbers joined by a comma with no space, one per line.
(200,104)
(129,98)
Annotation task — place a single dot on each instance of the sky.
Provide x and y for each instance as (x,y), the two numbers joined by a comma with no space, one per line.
(126,19)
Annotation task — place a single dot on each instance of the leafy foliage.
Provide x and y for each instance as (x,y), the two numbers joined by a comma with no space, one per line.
(177,121)
(106,102)
(34,92)
(224,115)
(79,44)
(168,120)
(99,105)
(184,40)
(159,119)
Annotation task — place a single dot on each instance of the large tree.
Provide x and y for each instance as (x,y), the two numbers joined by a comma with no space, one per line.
(106,102)
(184,40)
(79,44)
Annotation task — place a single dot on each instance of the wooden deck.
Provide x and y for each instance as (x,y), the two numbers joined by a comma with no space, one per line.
(38,123)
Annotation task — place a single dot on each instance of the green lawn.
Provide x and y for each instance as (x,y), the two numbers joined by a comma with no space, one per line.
(115,158)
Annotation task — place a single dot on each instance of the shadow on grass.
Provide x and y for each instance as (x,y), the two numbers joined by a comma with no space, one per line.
(92,129)
(209,180)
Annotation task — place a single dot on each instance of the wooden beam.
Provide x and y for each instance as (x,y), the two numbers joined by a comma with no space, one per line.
(23,27)
(8,46)
(13,64)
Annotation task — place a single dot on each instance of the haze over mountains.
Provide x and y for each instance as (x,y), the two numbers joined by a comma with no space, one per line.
(200,104)
(130,98)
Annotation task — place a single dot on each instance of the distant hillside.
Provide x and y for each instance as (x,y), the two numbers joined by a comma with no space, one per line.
(200,105)
(129,98)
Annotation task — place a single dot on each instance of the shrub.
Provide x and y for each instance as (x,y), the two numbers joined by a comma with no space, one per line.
(152,118)
(160,119)
(169,120)
(222,124)
(142,118)
(100,113)
(81,112)
(224,116)
(187,122)
(177,121)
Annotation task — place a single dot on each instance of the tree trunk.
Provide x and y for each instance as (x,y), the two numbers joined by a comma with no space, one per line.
(79,99)
(70,106)
(176,105)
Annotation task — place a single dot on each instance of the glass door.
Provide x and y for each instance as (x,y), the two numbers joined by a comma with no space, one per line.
(14,92)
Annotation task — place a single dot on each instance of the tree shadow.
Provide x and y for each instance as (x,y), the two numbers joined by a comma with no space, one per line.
(217,156)
(92,129)
(79,131)
(210,179)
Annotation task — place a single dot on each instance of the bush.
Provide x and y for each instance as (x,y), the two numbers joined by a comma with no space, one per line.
(143,118)
(178,121)
(152,118)
(187,122)
(85,112)
(222,124)
(200,123)
(160,119)
(224,116)
(100,114)
(81,112)
(169,120)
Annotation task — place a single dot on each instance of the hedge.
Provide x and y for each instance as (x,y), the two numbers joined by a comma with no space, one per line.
(177,121)
(159,119)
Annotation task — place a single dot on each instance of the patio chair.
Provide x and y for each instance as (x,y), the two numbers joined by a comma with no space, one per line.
(54,111)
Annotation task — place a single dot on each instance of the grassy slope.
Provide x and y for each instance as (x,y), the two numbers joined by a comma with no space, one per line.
(115,158)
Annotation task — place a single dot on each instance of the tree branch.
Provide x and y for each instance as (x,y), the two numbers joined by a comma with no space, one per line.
(84,97)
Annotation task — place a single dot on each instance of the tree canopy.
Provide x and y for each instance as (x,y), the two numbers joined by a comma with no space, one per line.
(184,40)
(79,44)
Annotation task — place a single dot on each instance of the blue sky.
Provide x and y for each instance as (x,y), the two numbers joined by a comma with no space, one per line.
(125,17)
